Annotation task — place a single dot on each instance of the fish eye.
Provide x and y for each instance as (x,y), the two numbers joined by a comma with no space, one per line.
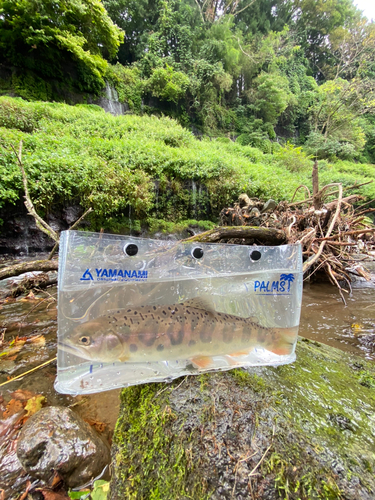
(85,340)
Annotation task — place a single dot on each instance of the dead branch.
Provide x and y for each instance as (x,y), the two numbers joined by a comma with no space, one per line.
(41,224)
(25,267)
(354,186)
(77,222)
(38,281)
(313,259)
(317,195)
(264,234)
(347,233)
(299,187)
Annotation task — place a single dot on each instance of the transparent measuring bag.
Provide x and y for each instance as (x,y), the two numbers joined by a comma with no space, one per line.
(133,310)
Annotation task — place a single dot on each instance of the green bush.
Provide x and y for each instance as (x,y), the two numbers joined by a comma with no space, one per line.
(15,114)
(168,84)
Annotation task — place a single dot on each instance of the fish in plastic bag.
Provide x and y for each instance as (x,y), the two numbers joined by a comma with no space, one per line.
(133,310)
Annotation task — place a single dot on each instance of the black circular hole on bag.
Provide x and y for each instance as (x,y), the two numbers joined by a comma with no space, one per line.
(255,255)
(131,249)
(197,253)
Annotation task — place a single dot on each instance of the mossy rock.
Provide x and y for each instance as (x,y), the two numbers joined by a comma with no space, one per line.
(300,431)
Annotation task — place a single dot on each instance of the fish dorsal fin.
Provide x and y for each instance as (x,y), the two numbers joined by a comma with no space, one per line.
(252,319)
(201,303)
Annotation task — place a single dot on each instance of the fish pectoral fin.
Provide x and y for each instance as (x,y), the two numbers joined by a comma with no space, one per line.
(240,353)
(282,350)
(202,361)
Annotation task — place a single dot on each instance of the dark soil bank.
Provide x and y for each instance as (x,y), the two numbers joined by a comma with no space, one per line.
(301,431)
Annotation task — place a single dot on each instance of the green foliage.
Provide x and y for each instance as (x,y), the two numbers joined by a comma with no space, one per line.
(292,158)
(335,115)
(144,168)
(31,87)
(320,147)
(270,96)
(167,84)
(46,36)
(16,114)
(99,492)
(127,83)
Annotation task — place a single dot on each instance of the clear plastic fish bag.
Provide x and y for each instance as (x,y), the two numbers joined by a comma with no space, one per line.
(134,310)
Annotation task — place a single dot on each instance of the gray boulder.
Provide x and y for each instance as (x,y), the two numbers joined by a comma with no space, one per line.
(57,440)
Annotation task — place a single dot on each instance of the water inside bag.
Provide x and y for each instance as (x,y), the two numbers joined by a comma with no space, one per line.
(134,310)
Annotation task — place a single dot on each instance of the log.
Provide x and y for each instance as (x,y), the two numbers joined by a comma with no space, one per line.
(265,235)
(25,267)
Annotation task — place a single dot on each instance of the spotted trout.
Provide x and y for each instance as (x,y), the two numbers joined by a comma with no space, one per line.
(190,330)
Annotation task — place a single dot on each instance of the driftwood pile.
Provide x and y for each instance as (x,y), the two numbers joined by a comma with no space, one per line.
(333,233)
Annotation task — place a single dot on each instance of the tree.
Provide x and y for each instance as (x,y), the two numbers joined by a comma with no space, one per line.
(137,18)
(315,23)
(353,50)
(47,36)
(335,116)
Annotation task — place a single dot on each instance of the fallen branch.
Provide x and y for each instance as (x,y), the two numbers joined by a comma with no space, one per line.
(29,371)
(54,249)
(25,267)
(299,187)
(41,224)
(265,235)
(354,186)
(39,282)
(346,233)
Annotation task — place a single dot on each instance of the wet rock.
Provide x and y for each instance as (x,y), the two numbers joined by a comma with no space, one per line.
(72,213)
(303,430)
(19,233)
(57,440)
(269,206)
(13,477)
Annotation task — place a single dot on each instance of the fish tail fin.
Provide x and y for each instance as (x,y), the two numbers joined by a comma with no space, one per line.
(285,340)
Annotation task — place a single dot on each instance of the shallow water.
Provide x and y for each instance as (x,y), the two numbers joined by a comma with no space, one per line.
(36,321)
(326,319)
